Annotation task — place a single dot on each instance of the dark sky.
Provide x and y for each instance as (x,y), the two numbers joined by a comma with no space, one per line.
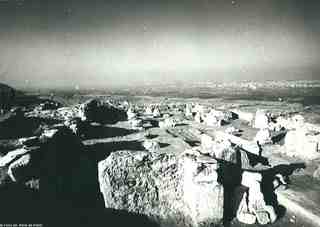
(99,43)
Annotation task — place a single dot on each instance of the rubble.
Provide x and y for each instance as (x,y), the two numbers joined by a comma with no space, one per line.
(217,117)
(301,144)
(198,109)
(166,115)
(48,105)
(151,145)
(76,125)
(233,131)
(171,186)
(295,122)
(212,120)
(167,123)
(136,123)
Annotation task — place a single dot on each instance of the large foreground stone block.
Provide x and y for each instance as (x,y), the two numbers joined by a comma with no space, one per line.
(172,190)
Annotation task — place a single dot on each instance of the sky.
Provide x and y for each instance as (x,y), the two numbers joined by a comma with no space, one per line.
(88,44)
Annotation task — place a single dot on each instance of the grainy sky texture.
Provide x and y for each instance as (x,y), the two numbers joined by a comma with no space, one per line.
(104,43)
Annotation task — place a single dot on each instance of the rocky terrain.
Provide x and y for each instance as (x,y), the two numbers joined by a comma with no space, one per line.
(155,161)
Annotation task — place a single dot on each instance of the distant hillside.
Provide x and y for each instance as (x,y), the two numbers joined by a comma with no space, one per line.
(7,96)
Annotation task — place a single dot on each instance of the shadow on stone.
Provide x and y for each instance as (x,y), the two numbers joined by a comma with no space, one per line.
(23,205)
(256,159)
(151,136)
(18,126)
(162,145)
(101,151)
(230,177)
(181,124)
(101,131)
(69,192)
(279,138)
(193,143)
(97,111)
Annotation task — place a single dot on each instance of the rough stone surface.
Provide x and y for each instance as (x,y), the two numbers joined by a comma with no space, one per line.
(298,143)
(156,112)
(172,190)
(101,112)
(188,111)
(135,122)
(151,145)
(167,123)
(261,120)
(198,117)
(256,204)
(263,136)
(148,110)
(222,149)
(206,144)
(243,213)
(12,155)
(233,131)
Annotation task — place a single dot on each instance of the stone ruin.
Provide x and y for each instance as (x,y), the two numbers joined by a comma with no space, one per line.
(185,189)
(172,190)
(301,139)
